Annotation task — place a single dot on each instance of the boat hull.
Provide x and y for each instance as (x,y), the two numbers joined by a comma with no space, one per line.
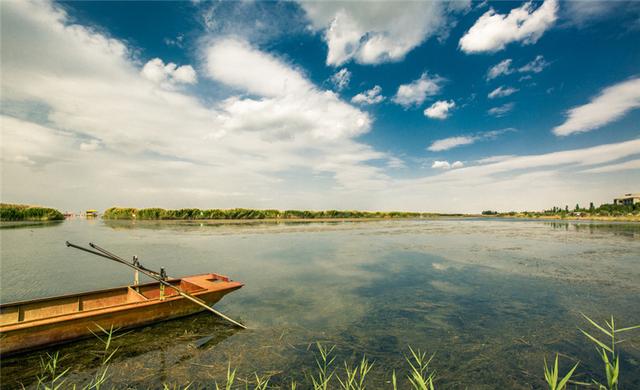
(23,336)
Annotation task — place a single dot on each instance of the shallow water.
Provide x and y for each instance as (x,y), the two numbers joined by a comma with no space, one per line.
(489,297)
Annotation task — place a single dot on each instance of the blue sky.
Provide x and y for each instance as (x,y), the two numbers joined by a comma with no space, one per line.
(440,106)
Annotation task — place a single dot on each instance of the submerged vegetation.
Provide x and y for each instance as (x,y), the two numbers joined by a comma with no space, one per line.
(191,214)
(20,212)
(418,374)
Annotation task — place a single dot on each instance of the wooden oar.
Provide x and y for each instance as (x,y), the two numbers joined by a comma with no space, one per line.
(108,255)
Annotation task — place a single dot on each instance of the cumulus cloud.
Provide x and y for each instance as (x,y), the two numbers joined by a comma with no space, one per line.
(149,140)
(291,103)
(371,96)
(415,93)
(168,74)
(274,139)
(611,104)
(501,110)
(341,79)
(238,64)
(440,109)
(502,92)
(372,33)
(493,31)
(446,165)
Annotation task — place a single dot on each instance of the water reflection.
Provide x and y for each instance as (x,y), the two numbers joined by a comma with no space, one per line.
(630,230)
(28,224)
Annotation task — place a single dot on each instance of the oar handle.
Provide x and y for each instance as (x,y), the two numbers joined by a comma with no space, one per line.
(108,255)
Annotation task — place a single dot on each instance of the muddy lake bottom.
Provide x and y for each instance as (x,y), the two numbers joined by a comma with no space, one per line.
(490,298)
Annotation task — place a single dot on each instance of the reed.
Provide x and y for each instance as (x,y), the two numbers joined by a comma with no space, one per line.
(248,214)
(418,374)
(608,351)
(21,212)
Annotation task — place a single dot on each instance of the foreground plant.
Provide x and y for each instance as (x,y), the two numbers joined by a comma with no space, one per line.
(420,377)
(355,377)
(551,375)
(51,376)
(608,353)
(325,372)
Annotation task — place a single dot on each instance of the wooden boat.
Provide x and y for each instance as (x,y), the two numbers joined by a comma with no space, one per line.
(38,323)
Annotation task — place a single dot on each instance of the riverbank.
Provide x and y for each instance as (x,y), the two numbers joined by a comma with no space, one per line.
(22,212)
(602,218)
(238,214)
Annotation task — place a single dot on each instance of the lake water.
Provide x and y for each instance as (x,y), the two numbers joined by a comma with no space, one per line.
(491,298)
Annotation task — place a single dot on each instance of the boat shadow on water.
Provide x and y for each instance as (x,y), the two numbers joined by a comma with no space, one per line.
(143,353)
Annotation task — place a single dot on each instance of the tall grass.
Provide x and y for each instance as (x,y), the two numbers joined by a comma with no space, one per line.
(52,377)
(238,213)
(20,212)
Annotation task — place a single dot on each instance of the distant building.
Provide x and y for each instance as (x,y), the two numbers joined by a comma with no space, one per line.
(627,199)
(91,213)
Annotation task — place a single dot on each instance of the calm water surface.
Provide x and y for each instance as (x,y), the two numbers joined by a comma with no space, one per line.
(490,298)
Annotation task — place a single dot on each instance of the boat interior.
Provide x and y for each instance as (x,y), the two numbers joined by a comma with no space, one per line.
(19,312)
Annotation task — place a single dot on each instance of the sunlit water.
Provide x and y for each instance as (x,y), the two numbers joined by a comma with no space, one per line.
(490,298)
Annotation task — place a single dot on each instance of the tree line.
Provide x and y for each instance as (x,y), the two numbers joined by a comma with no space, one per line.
(605,209)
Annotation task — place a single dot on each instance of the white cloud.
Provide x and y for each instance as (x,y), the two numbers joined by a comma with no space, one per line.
(415,93)
(611,104)
(275,140)
(451,142)
(341,79)
(492,31)
(506,183)
(371,96)
(90,146)
(376,32)
(148,140)
(501,68)
(440,109)
(537,65)
(178,41)
(502,92)
(291,104)
(583,13)
(492,159)
(501,110)
(238,64)
(446,165)
(624,166)
(454,142)
(169,74)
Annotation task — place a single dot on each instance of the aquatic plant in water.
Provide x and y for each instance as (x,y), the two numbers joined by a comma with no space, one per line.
(419,376)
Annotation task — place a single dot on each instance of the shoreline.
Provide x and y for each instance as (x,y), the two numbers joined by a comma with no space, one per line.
(435,217)
(599,218)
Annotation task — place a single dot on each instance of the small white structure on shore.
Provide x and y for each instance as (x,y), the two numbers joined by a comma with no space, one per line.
(627,199)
